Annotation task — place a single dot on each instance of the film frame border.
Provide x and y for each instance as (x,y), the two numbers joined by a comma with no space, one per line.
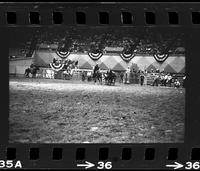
(115,150)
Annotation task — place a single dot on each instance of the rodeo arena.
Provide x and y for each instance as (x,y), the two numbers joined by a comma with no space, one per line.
(96,85)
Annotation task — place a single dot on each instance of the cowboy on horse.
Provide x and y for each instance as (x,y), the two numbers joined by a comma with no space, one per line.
(110,77)
(96,73)
(32,69)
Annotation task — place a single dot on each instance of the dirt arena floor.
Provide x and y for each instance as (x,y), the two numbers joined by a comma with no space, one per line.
(61,111)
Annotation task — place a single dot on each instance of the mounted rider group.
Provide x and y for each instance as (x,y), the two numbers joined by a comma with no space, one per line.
(103,77)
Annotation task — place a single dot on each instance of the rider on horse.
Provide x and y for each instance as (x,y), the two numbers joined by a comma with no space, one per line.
(110,77)
(32,69)
(28,70)
(96,68)
(96,72)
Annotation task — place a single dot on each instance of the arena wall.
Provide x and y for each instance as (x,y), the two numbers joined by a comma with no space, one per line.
(173,64)
(17,66)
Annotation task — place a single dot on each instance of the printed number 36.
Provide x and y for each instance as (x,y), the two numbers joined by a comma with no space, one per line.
(191,165)
(102,165)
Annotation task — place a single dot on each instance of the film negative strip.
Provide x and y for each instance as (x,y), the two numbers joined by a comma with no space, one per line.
(100,86)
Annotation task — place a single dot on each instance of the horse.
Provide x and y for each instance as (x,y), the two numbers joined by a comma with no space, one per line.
(156,80)
(67,75)
(33,70)
(97,75)
(110,78)
(162,80)
(69,67)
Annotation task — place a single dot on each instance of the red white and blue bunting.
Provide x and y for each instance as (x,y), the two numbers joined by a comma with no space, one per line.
(127,56)
(57,67)
(63,55)
(160,57)
(95,56)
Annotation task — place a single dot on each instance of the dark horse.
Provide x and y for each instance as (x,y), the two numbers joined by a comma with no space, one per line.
(33,70)
(110,77)
(97,75)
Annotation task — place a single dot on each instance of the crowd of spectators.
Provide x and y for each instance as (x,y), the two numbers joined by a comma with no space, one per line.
(83,39)
(97,39)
